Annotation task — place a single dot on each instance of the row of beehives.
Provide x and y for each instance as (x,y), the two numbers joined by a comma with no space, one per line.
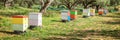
(91,12)
(21,22)
(68,15)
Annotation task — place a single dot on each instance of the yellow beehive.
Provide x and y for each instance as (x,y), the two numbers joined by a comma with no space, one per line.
(92,10)
(20,23)
(19,19)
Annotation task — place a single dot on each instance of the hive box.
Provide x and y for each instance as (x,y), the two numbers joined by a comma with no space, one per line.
(92,12)
(73,14)
(100,12)
(20,27)
(19,20)
(35,19)
(35,22)
(20,23)
(65,15)
(86,12)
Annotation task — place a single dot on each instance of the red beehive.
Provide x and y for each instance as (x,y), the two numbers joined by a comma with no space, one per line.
(100,12)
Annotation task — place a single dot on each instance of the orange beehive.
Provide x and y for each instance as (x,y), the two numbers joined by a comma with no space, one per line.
(100,12)
(73,14)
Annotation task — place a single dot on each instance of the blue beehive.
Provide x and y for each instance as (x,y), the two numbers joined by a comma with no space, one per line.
(69,18)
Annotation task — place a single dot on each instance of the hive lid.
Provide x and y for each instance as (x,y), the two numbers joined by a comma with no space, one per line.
(34,13)
(19,16)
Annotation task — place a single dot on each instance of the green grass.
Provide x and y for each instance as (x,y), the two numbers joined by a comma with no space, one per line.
(94,28)
(16,11)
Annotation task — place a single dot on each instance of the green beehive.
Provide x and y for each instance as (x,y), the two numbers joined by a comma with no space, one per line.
(73,12)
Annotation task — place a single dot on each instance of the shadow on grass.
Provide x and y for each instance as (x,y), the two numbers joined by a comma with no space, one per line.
(83,34)
(114,15)
(113,22)
(56,20)
(118,13)
(7,32)
(59,21)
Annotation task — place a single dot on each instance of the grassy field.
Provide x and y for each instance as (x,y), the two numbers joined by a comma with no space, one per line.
(92,28)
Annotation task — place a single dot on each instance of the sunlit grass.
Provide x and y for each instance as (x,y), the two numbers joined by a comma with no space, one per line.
(96,27)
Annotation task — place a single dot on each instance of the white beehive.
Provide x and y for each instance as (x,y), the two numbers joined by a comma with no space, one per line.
(65,15)
(35,19)
(86,12)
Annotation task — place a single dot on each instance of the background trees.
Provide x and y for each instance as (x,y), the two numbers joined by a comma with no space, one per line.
(69,4)
(45,5)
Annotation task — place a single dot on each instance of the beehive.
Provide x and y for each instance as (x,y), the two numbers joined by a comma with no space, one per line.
(73,14)
(86,12)
(20,23)
(65,15)
(105,11)
(35,19)
(100,12)
(92,12)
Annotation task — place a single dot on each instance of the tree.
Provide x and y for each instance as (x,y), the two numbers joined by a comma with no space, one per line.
(70,4)
(45,5)
(88,3)
(7,3)
(114,2)
(26,3)
(102,3)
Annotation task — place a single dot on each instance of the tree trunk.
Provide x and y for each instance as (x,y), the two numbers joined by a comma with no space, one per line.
(45,5)
(8,3)
(69,7)
(85,5)
(4,3)
(97,7)
(29,4)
